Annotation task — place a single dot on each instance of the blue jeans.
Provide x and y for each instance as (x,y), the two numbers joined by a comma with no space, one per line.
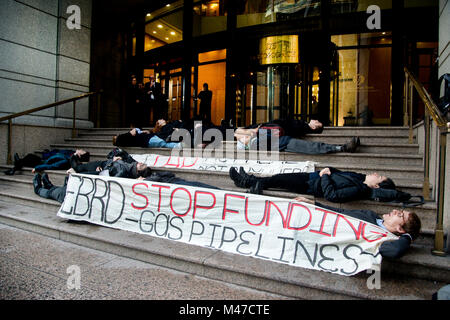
(157,142)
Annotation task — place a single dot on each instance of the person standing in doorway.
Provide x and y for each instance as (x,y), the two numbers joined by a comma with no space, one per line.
(205,97)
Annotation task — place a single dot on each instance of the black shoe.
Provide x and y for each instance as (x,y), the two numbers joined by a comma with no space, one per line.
(37,184)
(351,146)
(257,188)
(242,180)
(236,177)
(46,181)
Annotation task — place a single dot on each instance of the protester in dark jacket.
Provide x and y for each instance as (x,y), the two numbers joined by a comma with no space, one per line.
(330,183)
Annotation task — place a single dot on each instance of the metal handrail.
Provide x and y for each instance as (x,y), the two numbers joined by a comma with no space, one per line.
(48,106)
(432,110)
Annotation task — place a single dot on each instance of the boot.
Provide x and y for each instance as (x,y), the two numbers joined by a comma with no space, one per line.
(242,181)
(351,146)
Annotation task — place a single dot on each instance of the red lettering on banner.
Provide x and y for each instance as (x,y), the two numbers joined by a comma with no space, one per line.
(203,207)
(225,209)
(357,232)
(160,188)
(291,209)
(140,195)
(382,235)
(185,166)
(323,223)
(156,160)
(168,164)
(269,205)
(190,202)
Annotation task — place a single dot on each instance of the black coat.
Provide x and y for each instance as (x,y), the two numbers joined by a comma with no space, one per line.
(340,187)
(388,249)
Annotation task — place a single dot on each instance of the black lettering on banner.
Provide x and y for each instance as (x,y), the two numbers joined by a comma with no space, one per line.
(312,261)
(142,223)
(166,224)
(244,242)
(223,240)
(350,258)
(259,247)
(174,226)
(192,229)
(283,249)
(83,195)
(70,212)
(213,234)
(324,258)
(99,198)
(115,200)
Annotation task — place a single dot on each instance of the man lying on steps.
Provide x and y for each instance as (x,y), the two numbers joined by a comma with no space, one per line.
(405,224)
(330,183)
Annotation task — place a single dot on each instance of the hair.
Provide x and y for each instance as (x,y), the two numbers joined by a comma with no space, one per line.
(114,140)
(85,157)
(145,172)
(387,184)
(413,225)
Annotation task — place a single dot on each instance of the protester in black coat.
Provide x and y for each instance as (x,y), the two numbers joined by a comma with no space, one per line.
(405,224)
(330,183)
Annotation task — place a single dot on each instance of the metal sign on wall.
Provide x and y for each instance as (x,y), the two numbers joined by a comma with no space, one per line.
(279,49)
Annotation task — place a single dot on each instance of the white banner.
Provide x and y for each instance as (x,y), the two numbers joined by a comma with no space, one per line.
(275,229)
(261,167)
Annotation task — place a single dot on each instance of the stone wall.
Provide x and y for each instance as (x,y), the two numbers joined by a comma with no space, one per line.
(43,61)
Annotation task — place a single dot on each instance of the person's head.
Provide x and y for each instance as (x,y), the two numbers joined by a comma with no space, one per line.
(84,157)
(114,140)
(133,81)
(375,181)
(401,221)
(205,86)
(159,124)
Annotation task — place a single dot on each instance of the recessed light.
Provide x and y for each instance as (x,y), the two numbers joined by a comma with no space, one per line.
(167,38)
(149,15)
(160,26)
(172,33)
(154,32)
(168,5)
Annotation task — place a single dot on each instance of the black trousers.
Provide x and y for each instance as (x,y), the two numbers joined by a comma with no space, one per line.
(293,182)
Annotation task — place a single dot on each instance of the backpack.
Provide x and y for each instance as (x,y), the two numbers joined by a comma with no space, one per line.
(396,196)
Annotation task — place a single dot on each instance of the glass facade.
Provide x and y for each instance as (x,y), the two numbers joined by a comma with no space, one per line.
(276,65)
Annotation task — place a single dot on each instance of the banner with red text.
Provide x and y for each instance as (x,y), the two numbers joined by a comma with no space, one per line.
(275,229)
(261,167)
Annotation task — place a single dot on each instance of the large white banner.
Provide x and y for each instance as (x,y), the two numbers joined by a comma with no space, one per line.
(275,229)
(261,167)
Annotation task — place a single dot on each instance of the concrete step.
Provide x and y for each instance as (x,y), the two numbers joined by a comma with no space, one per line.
(385,159)
(20,186)
(416,276)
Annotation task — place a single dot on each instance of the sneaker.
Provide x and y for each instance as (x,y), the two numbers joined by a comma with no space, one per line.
(351,146)
(257,188)
(10,172)
(236,177)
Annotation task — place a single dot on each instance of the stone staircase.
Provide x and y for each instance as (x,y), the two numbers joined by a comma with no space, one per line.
(383,149)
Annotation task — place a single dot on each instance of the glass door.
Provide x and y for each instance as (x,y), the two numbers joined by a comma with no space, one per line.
(175,97)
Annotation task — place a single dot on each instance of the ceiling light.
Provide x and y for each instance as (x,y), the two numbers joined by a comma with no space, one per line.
(168,5)
(149,15)
(154,32)
(167,38)
(172,33)
(160,26)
